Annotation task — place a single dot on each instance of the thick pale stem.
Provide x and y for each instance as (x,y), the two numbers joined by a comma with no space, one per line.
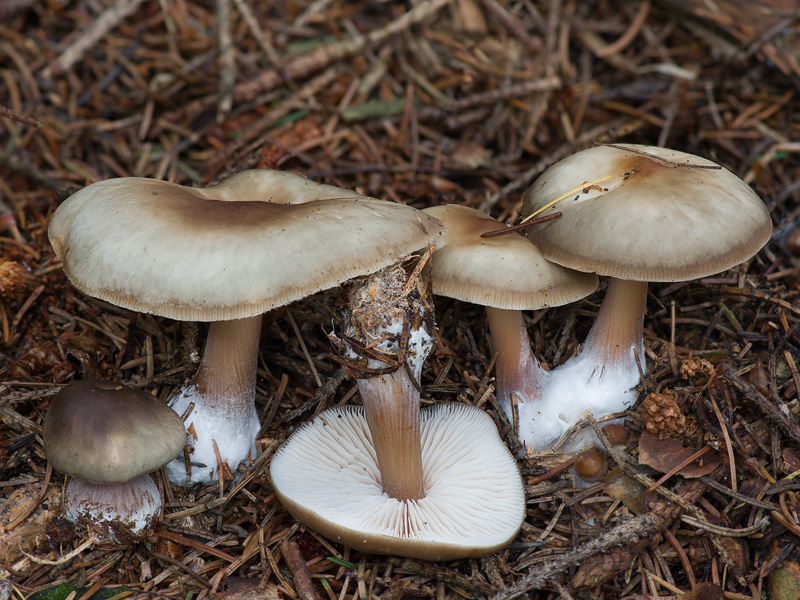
(227,372)
(601,378)
(391,403)
(617,332)
(383,313)
(135,503)
(224,423)
(517,369)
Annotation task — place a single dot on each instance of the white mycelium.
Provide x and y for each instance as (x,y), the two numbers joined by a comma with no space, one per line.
(580,384)
(634,214)
(134,503)
(232,427)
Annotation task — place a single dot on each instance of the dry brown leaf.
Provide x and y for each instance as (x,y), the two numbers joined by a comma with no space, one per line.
(665,455)
(791,460)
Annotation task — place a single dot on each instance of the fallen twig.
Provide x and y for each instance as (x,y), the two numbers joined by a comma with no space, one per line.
(40,496)
(629,532)
(783,421)
(63,559)
(319,58)
(86,40)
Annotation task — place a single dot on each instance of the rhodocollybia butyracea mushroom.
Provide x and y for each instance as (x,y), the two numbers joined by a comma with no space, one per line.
(382,316)
(225,254)
(108,437)
(436,483)
(506,274)
(635,214)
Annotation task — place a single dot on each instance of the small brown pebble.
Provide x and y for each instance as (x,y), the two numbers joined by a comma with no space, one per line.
(168,548)
(590,465)
(705,591)
(616,433)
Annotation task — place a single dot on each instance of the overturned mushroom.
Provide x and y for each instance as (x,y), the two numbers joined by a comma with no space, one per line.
(389,478)
(327,476)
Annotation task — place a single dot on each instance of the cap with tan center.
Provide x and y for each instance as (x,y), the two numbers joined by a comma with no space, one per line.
(646,213)
(256,241)
(327,476)
(106,432)
(506,271)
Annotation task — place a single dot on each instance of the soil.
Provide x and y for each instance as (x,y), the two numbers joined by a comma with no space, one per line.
(423,103)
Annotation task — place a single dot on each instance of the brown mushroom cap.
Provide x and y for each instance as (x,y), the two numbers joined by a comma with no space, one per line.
(256,241)
(507,271)
(106,432)
(657,219)
(327,476)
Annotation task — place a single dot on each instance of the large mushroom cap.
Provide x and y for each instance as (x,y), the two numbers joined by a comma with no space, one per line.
(327,476)
(665,215)
(507,271)
(106,432)
(256,241)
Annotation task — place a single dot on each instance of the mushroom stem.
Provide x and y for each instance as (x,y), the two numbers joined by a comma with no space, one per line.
(223,392)
(385,314)
(599,379)
(230,359)
(391,404)
(617,331)
(136,503)
(517,369)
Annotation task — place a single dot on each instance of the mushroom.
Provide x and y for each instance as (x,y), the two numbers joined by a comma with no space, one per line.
(225,254)
(616,433)
(327,476)
(505,274)
(107,437)
(635,214)
(390,478)
(385,340)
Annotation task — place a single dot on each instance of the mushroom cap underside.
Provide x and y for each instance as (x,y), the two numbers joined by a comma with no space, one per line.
(202,254)
(326,475)
(661,215)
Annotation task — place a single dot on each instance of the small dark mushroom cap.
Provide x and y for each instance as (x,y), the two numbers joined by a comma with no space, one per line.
(106,432)
(507,271)
(256,241)
(658,219)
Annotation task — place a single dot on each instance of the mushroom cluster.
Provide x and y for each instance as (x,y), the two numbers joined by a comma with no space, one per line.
(225,254)
(389,476)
